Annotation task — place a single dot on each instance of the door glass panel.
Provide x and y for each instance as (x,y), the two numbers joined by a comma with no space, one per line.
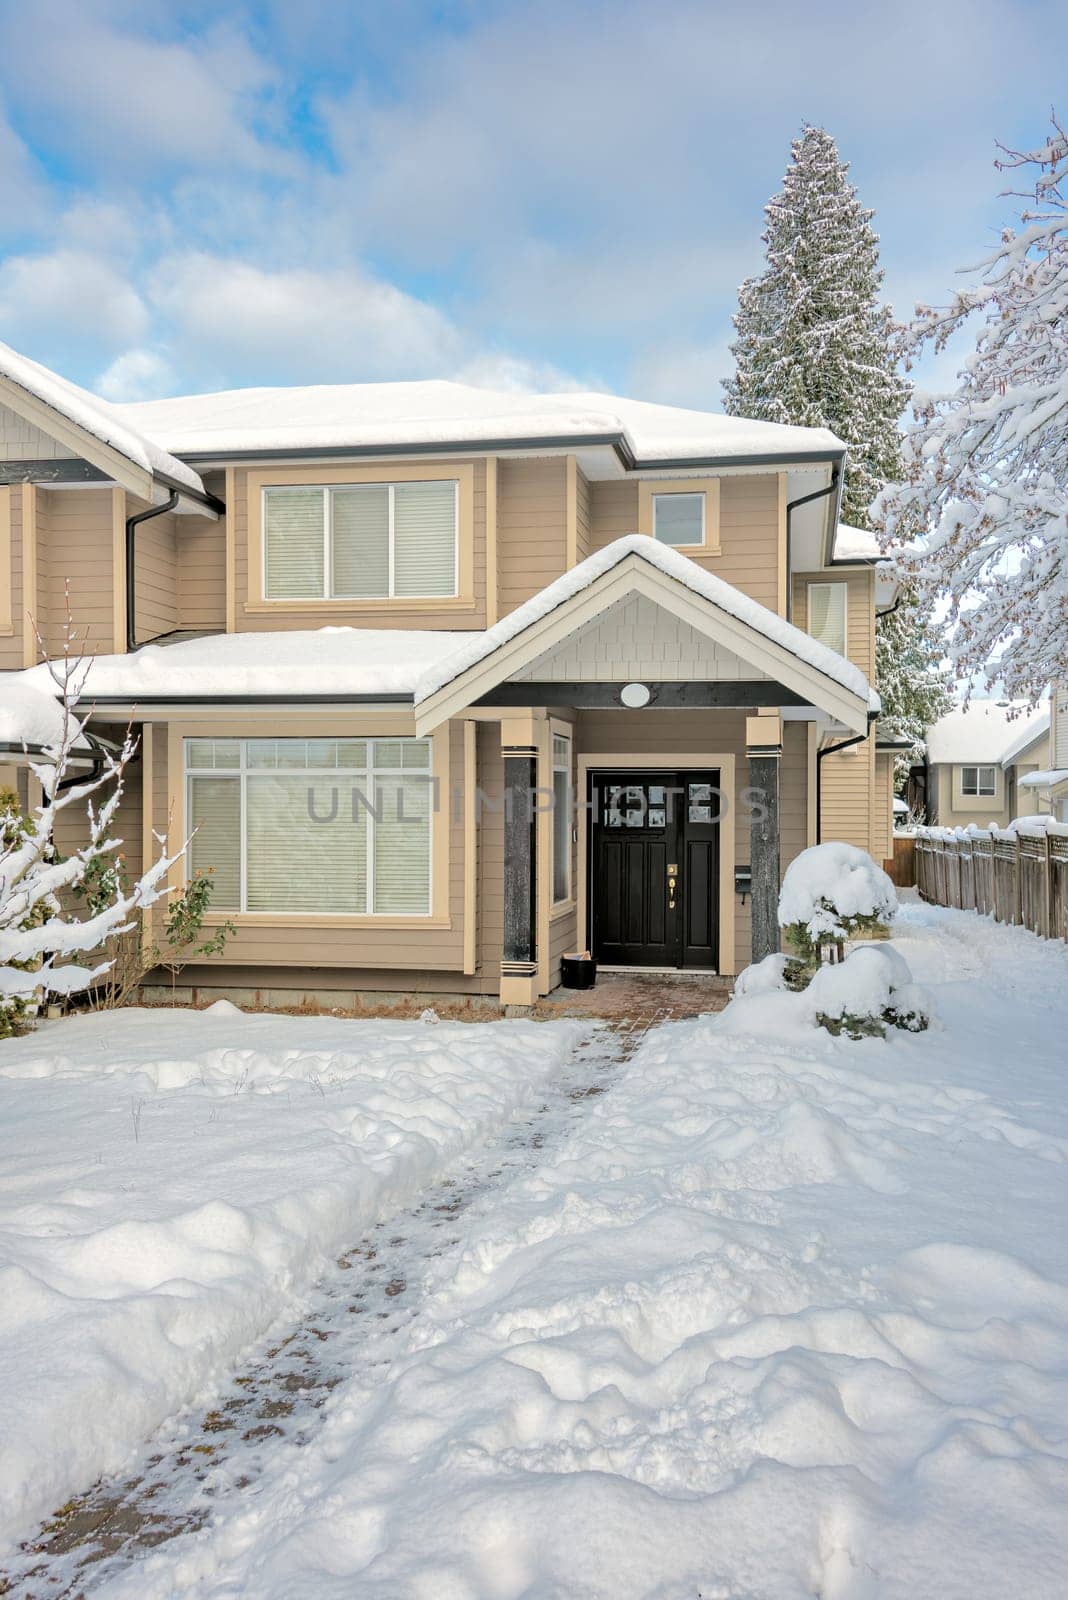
(700,802)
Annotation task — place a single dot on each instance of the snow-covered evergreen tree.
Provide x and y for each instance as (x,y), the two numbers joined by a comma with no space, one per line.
(814,343)
(986,466)
(38,936)
(815,347)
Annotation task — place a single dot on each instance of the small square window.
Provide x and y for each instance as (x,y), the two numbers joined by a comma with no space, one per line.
(679,519)
(979,781)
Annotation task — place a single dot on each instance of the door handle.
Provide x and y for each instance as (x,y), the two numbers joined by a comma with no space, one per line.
(672,879)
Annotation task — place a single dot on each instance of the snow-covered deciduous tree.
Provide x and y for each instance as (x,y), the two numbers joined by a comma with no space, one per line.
(39,933)
(814,344)
(984,502)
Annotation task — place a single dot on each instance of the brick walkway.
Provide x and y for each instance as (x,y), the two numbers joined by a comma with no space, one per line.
(621,995)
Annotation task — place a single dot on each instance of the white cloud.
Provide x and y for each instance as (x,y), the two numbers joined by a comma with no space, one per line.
(137,375)
(71,293)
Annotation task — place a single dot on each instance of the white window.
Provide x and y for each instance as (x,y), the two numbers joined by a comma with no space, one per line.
(679,519)
(312,825)
(366,541)
(979,780)
(561,818)
(827,614)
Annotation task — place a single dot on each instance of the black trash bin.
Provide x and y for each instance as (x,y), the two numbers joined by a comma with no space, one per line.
(578,972)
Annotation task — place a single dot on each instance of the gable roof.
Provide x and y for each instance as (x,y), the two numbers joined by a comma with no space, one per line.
(98,433)
(437,414)
(1029,735)
(982,731)
(794,656)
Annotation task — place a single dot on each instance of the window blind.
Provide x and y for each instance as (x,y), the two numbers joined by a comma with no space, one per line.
(215,848)
(679,519)
(305,849)
(424,538)
(294,544)
(827,614)
(561,818)
(361,541)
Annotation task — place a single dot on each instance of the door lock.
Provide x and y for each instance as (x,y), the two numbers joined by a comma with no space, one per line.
(672,878)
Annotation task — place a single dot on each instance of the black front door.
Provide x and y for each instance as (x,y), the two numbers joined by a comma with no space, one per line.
(654,868)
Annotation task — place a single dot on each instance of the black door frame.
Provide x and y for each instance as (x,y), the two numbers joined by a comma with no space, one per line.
(682,776)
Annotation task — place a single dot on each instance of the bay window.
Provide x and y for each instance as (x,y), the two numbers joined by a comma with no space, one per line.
(361,541)
(312,825)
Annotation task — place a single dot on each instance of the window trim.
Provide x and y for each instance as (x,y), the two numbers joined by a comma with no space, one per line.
(558,730)
(979,793)
(369,727)
(649,489)
(256,481)
(830,583)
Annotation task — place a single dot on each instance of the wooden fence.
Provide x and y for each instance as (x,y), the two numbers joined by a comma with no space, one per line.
(1019,877)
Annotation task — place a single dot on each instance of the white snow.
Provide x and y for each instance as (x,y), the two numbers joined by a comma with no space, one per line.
(783,1316)
(855,544)
(673,565)
(982,731)
(303,661)
(1044,780)
(99,418)
(172,1182)
(1028,735)
(29,715)
(829,882)
(365,415)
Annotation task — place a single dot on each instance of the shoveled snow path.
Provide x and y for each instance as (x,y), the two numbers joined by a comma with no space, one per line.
(277,1399)
(782,1316)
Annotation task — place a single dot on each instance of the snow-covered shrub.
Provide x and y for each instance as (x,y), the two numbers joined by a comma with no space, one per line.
(763,977)
(830,893)
(869,991)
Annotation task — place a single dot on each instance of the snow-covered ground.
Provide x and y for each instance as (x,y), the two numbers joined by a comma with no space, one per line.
(781,1316)
(173,1182)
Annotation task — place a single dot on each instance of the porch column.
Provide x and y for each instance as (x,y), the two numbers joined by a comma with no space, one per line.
(519,966)
(763,742)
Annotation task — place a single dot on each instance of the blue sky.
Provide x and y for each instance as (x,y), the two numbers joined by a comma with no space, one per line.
(201,196)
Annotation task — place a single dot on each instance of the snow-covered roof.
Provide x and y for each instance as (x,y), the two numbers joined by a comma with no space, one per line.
(855,544)
(30,714)
(322,661)
(371,415)
(1045,780)
(901,807)
(981,731)
(98,418)
(1027,736)
(736,604)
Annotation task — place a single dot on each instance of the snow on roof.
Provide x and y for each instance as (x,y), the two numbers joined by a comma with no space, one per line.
(480,645)
(981,731)
(303,662)
(1027,736)
(329,416)
(855,544)
(30,715)
(99,418)
(1045,780)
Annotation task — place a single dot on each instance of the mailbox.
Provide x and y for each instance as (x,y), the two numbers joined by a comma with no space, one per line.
(743,880)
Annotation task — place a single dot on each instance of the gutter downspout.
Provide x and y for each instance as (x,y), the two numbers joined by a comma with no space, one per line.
(791,507)
(831,750)
(131,575)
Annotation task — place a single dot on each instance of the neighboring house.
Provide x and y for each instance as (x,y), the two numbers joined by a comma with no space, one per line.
(442,598)
(978,760)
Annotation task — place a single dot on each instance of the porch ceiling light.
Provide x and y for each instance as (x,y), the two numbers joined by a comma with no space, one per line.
(635,695)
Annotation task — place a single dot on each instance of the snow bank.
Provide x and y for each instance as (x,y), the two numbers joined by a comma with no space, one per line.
(170,1183)
(829,883)
(29,715)
(771,1323)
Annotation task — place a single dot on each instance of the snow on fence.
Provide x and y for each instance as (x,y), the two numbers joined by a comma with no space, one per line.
(1017,875)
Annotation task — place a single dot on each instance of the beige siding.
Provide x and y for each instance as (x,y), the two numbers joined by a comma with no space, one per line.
(11,643)
(156,572)
(882,845)
(531,527)
(23,441)
(201,574)
(748,530)
(957,810)
(74,548)
(388,616)
(860,611)
(585,535)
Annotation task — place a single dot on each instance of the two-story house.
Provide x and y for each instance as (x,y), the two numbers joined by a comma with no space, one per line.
(444,682)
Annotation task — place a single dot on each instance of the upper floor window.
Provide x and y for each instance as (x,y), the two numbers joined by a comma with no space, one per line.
(679,519)
(827,614)
(979,780)
(362,541)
